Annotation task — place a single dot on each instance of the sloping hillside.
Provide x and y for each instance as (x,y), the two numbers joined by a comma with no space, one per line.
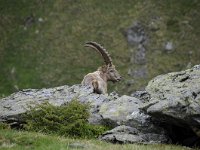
(41,42)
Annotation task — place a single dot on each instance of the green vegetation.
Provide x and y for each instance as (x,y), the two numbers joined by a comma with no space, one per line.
(68,120)
(4,126)
(17,140)
(41,42)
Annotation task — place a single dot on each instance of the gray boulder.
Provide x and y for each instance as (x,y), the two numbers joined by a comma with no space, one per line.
(126,111)
(111,110)
(122,134)
(131,124)
(125,134)
(117,111)
(175,102)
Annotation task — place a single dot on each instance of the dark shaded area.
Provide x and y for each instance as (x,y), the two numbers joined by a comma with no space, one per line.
(182,135)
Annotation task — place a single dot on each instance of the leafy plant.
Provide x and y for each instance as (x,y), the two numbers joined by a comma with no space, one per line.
(68,120)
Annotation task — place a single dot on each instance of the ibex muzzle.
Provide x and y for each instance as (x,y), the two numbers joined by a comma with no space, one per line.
(98,79)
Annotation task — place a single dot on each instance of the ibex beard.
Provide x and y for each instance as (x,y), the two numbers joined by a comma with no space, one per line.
(98,79)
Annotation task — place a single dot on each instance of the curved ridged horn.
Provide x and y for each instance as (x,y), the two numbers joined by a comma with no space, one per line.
(103,51)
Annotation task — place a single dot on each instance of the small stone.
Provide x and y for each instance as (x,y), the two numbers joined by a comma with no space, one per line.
(169,46)
(36,31)
(40,19)
(77,145)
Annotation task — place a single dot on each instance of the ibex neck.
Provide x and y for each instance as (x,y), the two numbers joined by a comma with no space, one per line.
(103,76)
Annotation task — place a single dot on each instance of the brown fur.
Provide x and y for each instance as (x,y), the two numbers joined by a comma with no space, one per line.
(98,79)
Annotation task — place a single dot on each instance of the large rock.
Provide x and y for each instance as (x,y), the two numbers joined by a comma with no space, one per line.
(117,111)
(125,134)
(175,102)
(124,114)
(111,110)
(18,103)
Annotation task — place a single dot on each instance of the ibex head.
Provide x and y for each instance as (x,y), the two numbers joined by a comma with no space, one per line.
(111,73)
(108,70)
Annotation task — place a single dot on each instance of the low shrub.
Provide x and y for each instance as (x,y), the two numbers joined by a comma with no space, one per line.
(66,120)
(4,126)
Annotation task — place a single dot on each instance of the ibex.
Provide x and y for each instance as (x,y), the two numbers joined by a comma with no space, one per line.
(98,79)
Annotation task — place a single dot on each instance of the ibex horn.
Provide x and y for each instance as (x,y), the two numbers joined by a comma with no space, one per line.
(103,51)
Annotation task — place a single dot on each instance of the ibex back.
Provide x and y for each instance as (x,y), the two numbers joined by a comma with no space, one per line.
(98,79)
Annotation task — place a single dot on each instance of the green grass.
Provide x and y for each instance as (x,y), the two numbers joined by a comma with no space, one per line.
(20,140)
(49,50)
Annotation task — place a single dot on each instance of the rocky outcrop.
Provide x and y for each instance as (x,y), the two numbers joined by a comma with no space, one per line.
(175,103)
(111,110)
(18,103)
(124,114)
